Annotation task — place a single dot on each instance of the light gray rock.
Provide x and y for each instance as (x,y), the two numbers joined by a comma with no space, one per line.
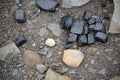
(8,52)
(55,28)
(41,68)
(43,32)
(72,3)
(40,76)
(15,72)
(50,54)
(102,72)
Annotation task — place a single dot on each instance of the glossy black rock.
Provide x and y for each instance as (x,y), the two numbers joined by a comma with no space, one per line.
(66,21)
(77,27)
(99,27)
(47,5)
(87,15)
(101,37)
(91,21)
(20,16)
(91,27)
(82,40)
(91,39)
(71,37)
(20,41)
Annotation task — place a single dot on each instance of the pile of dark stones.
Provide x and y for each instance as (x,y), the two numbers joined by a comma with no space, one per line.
(84,32)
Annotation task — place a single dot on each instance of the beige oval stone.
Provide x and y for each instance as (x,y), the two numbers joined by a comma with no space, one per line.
(31,58)
(50,42)
(73,58)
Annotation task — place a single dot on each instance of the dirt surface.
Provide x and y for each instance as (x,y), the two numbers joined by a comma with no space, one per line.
(102,61)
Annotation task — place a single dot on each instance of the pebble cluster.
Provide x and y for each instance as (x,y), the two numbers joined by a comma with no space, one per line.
(84,32)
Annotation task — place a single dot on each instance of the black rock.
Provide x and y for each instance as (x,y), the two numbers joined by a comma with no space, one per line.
(82,40)
(20,16)
(97,19)
(91,21)
(87,15)
(91,27)
(85,31)
(106,16)
(47,5)
(71,37)
(99,27)
(66,22)
(101,37)
(20,41)
(68,45)
(91,38)
(77,27)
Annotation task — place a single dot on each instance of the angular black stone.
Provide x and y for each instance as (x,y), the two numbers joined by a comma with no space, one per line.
(101,37)
(47,5)
(77,27)
(87,15)
(20,41)
(99,27)
(68,45)
(71,37)
(97,19)
(91,39)
(91,21)
(91,27)
(82,40)
(66,22)
(20,16)
(85,31)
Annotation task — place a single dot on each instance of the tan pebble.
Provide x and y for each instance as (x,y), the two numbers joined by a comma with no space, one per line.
(50,42)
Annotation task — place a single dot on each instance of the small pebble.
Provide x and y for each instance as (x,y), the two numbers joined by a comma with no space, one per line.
(50,42)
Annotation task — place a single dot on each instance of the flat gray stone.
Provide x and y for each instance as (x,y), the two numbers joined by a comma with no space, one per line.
(15,72)
(8,52)
(72,3)
(55,28)
(43,32)
(102,72)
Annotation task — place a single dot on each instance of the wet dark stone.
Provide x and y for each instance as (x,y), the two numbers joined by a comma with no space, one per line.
(77,27)
(99,27)
(66,22)
(82,40)
(91,39)
(91,21)
(71,37)
(47,5)
(85,31)
(68,45)
(106,16)
(20,16)
(20,41)
(97,19)
(87,15)
(101,37)
(91,27)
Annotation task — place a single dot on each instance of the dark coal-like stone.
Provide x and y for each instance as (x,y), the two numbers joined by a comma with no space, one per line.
(97,19)
(77,27)
(20,41)
(20,16)
(91,21)
(71,37)
(91,27)
(101,37)
(91,38)
(66,21)
(85,31)
(87,15)
(47,5)
(106,16)
(99,27)
(82,40)
(68,45)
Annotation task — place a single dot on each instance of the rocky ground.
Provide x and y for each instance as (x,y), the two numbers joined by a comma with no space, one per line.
(102,61)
